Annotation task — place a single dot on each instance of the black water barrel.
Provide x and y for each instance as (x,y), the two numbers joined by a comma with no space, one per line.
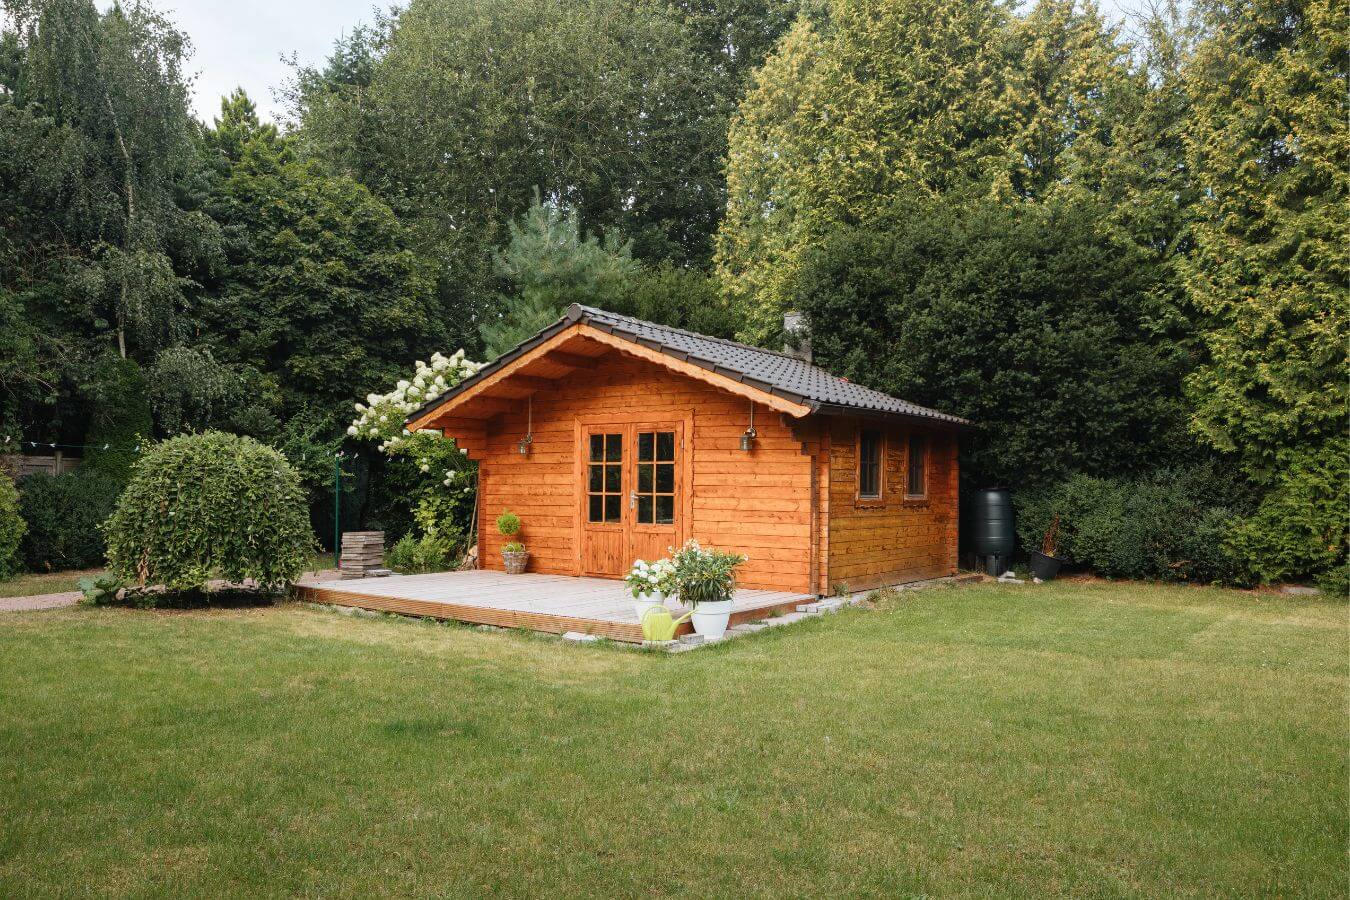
(992,523)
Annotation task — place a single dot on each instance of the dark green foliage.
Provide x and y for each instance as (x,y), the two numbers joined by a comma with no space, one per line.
(429,553)
(120,419)
(322,294)
(1302,526)
(682,297)
(65,515)
(12,528)
(210,506)
(1171,524)
(1019,317)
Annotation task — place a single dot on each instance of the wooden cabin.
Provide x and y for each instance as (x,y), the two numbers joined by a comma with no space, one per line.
(615,439)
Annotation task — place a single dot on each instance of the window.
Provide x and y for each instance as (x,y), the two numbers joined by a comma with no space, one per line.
(869,465)
(604,483)
(917,483)
(656,477)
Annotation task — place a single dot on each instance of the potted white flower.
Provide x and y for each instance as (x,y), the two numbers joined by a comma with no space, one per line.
(651,583)
(707,584)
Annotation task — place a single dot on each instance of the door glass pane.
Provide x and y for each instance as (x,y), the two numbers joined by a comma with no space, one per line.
(644,445)
(612,507)
(644,484)
(613,447)
(596,509)
(665,509)
(665,445)
(613,479)
(665,478)
(597,447)
(644,510)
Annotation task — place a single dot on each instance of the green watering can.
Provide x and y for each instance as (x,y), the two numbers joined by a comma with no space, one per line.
(657,625)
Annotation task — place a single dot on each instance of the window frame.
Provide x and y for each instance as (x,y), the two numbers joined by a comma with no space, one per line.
(861,499)
(926,444)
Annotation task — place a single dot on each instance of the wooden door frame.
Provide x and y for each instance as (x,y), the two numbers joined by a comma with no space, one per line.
(685,465)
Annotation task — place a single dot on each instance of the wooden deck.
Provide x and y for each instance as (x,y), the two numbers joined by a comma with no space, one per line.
(553,603)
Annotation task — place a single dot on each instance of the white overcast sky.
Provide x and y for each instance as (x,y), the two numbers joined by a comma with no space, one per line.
(240,43)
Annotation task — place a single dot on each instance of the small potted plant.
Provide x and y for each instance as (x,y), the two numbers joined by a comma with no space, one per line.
(707,583)
(514,556)
(1045,562)
(651,584)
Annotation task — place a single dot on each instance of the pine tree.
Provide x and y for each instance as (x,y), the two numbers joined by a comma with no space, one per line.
(550,263)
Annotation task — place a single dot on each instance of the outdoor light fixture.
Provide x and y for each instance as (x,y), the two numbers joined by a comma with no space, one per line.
(748,439)
(524,443)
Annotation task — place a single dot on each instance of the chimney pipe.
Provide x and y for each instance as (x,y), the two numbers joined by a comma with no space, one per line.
(796,339)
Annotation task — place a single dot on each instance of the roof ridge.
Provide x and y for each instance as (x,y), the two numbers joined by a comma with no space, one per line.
(705,337)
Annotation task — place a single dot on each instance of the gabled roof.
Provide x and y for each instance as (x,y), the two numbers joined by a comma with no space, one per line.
(776,374)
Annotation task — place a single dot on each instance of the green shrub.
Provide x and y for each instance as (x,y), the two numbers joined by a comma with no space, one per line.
(508,524)
(120,418)
(12,528)
(65,515)
(209,506)
(413,556)
(1172,524)
(1300,529)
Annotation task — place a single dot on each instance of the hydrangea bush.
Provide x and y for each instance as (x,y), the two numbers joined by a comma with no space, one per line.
(433,462)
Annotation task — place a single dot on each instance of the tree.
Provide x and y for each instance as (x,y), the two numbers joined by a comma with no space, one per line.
(1014,316)
(1269,148)
(877,99)
(550,263)
(321,292)
(108,90)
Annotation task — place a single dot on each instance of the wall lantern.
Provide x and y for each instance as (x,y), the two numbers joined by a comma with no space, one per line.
(524,443)
(748,439)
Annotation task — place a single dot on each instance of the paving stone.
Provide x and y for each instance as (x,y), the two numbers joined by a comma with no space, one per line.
(579,637)
(660,645)
(1299,590)
(692,640)
(749,627)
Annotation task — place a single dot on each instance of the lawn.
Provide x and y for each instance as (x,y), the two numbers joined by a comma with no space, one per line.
(1093,739)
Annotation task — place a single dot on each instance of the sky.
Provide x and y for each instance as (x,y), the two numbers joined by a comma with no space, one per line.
(240,43)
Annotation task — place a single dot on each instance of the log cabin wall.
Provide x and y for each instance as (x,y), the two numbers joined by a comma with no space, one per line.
(757,503)
(896,539)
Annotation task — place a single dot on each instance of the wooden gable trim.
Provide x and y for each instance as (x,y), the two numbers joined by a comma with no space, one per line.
(548,348)
(698,373)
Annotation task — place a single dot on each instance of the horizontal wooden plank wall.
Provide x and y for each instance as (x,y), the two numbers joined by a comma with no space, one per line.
(898,540)
(757,503)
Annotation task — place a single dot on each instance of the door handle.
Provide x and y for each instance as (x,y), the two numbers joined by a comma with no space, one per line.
(632,499)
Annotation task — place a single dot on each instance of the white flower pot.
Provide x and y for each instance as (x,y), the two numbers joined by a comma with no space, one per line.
(646,601)
(710,619)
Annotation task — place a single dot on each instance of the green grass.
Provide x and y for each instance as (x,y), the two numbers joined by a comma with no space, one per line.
(1104,740)
(30,584)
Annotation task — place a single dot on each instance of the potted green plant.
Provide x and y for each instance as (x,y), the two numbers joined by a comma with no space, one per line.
(1045,562)
(651,584)
(514,556)
(707,583)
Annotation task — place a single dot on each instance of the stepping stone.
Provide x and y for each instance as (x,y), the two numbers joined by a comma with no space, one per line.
(580,638)
(691,640)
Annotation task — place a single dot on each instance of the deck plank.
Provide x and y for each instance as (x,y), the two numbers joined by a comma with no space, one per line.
(552,603)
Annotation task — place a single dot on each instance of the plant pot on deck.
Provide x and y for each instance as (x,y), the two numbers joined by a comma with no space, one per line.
(647,600)
(514,561)
(1044,566)
(711,617)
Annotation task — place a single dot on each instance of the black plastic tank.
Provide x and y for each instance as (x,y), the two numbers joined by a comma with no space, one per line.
(992,528)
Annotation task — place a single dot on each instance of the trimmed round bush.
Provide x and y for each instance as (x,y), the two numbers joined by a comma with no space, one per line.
(211,505)
(12,528)
(65,515)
